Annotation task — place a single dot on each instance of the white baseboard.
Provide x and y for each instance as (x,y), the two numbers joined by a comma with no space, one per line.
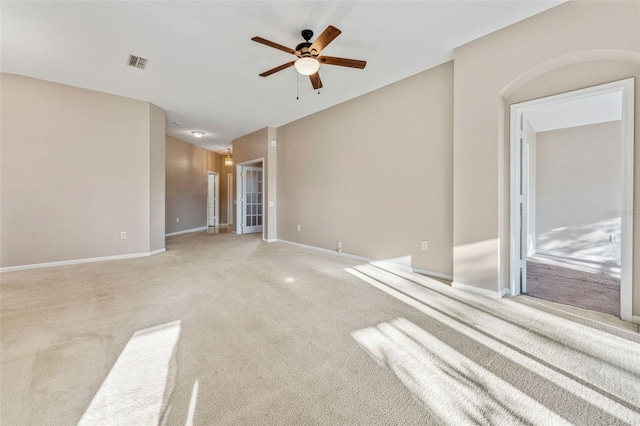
(433,274)
(402,263)
(273,240)
(597,259)
(482,291)
(372,261)
(187,231)
(78,261)
(323,250)
(384,263)
(635,319)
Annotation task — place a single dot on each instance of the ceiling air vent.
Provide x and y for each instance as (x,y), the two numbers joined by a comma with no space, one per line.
(138,62)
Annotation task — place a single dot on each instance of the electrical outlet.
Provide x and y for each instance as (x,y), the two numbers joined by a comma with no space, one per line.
(339,244)
(177,220)
(123,235)
(298,228)
(424,245)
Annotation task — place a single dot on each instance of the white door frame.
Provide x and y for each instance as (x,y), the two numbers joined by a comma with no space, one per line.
(626,87)
(239,182)
(216,207)
(230,199)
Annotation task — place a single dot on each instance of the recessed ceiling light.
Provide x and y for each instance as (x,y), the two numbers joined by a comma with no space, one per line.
(197,134)
(177,123)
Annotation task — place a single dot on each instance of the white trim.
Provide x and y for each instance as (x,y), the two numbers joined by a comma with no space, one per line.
(433,274)
(230,198)
(79,261)
(514,201)
(383,263)
(187,231)
(327,251)
(481,291)
(635,319)
(532,157)
(273,240)
(239,189)
(626,247)
(371,261)
(627,88)
(597,259)
(223,224)
(216,205)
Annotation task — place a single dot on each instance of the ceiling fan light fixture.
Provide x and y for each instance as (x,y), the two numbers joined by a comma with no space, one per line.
(307,65)
(197,134)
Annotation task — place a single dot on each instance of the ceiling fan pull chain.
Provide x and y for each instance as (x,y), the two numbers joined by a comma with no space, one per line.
(297,86)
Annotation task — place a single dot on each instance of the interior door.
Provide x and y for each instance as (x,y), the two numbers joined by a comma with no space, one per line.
(230,199)
(251,199)
(213,217)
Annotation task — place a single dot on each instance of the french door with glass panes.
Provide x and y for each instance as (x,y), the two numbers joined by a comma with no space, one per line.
(251,199)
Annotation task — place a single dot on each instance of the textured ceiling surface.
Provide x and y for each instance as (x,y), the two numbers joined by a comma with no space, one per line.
(203,67)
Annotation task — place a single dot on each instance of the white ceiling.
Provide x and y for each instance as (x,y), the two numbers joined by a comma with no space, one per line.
(203,67)
(576,112)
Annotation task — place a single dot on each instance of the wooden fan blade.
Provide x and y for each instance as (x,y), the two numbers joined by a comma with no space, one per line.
(342,62)
(323,41)
(315,81)
(276,69)
(274,45)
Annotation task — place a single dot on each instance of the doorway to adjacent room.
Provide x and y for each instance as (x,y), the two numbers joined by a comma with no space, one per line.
(572,198)
(250,193)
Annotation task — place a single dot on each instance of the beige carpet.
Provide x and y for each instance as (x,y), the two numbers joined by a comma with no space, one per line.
(226,329)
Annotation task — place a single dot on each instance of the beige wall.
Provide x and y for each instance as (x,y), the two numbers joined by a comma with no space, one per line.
(374,173)
(187,168)
(574,45)
(157,177)
(579,190)
(251,147)
(248,148)
(75,172)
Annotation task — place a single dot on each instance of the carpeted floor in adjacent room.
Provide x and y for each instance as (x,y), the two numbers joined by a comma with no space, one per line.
(229,330)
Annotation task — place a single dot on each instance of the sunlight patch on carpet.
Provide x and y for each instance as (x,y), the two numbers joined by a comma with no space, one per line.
(192,404)
(552,349)
(455,388)
(134,391)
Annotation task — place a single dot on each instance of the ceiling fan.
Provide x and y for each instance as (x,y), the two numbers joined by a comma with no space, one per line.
(308,54)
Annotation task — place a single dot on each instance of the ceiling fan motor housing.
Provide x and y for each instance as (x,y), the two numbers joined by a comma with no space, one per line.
(303,48)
